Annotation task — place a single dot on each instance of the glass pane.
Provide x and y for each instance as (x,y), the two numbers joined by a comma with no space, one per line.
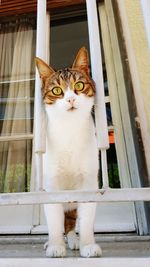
(113,170)
(15,166)
(17,79)
(66,40)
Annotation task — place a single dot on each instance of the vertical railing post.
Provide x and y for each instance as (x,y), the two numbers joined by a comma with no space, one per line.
(97,74)
(42,48)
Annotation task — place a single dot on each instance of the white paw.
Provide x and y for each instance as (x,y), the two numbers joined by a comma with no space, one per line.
(91,250)
(73,240)
(56,251)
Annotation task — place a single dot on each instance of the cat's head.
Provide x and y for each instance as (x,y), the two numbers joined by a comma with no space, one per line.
(69,90)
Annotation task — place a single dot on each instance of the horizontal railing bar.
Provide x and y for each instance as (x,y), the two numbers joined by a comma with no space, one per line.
(16,119)
(82,262)
(110,128)
(107,99)
(16,100)
(16,137)
(17,81)
(68,196)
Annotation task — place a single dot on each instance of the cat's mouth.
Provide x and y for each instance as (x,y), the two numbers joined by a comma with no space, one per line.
(71,109)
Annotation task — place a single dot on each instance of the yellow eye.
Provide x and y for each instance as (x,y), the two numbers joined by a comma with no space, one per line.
(57,91)
(79,86)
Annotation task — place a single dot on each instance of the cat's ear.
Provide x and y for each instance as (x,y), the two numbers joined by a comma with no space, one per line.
(81,61)
(44,70)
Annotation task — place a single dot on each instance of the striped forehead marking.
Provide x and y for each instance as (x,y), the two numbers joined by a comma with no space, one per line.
(66,78)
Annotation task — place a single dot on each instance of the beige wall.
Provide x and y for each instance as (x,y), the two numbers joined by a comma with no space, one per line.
(141,49)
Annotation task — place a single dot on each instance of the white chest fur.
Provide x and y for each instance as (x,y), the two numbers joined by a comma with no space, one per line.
(71,159)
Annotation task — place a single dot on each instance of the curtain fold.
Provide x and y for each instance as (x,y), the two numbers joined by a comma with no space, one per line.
(17,43)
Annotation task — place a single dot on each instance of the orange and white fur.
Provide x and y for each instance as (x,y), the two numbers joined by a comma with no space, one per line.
(71,158)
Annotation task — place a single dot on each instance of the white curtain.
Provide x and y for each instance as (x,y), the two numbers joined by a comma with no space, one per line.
(17,43)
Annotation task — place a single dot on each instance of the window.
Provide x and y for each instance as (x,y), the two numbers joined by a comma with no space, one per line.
(17,77)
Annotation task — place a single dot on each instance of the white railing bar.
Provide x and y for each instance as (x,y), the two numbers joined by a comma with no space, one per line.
(77,261)
(110,128)
(39,115)
(16,137)
(105,178)
(40,52)
(135,81)
(107,99)
(20,99)
(47,56)
(17,81)
(16,119)
(97,74)
(68,196)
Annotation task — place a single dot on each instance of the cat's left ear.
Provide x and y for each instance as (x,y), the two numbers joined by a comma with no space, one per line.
(44,70)
(81,61)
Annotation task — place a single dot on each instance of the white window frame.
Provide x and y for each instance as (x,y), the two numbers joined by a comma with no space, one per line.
(136,81)
(126,154)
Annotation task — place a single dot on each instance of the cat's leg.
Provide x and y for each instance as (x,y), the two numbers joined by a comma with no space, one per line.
(55,221)
(70,223)
(88,247)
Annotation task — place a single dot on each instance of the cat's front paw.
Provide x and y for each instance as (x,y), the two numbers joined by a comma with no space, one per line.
(56,251)
(91,250)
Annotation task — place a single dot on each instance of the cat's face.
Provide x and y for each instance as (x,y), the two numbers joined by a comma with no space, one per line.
(70,90)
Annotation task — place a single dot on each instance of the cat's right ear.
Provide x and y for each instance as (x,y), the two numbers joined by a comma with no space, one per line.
(44,70)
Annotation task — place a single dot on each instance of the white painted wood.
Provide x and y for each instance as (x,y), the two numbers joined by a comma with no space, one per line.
(107,99)
(109,227)
(16,219)
(17,81)
(97,74)
(16,137)
(18,100)
(126,154)
(105,180)
(39,116)
(38,178)
(146,13)
(114,99)
(110,128)
(47,56)
(116,216)
(136,82)
(74,262)
(19,219)
(42,51)
(68,196)
(15,229)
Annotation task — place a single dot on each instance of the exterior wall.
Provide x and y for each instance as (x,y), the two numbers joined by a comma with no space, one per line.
(141,49)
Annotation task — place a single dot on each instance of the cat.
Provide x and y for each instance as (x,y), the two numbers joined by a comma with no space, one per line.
(71,158)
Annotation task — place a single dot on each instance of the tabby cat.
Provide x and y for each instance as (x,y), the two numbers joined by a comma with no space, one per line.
(71,158)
